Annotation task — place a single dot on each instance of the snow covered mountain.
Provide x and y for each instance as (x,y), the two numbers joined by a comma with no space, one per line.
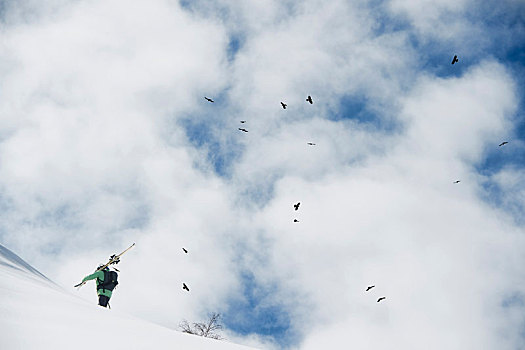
(35,313)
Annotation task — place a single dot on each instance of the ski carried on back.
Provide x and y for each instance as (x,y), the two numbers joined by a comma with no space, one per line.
(113,260)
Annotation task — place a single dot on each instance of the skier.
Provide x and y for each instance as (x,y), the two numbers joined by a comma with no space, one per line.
(106,282)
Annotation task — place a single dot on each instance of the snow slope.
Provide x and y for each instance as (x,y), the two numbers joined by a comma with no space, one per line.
(35,313)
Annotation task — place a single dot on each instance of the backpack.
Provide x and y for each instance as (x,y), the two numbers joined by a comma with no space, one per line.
(110,281)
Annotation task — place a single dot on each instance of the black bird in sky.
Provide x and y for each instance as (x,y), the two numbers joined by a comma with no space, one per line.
(185,287)
(209,99)
(455,59)
(309,99)
(243,129)
(311,143)
(457,181)
(296,206)
(185,250)
(382,298)
(284,105)
(503,143)
(369,287)
(243,121)
(295,220)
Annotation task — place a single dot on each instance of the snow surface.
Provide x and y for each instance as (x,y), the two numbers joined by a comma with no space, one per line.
(36,313)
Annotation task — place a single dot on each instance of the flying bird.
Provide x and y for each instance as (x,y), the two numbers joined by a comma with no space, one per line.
(457,181)
(243,121)
(209,99)
(296,206)
(455,59)
(243,129)
(309,99)
(311,143)
(185,250)
(185,287)
(503,143)
(284,105)
(369,287)
(295,220)
(382,298)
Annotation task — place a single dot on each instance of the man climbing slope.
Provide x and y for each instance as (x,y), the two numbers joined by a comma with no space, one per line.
(106,282)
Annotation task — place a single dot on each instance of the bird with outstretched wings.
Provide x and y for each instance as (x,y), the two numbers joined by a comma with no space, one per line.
(296,206)
(369,287)
(309,99)
(185,287)
(284,105)
(209,99)
(455,59)
(382,298)
(503,143)
(242,129)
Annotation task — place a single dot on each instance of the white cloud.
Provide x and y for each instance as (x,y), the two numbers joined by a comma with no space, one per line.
(444,20)
(440,255)
(93,160)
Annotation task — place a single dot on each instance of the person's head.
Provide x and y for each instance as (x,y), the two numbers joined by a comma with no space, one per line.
(100,267)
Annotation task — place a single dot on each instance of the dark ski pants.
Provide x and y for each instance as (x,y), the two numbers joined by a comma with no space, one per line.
(103,300)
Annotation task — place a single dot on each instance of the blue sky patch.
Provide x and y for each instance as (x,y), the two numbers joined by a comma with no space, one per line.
(356,108)
(499,157)
(255,313)
(497,196)
(185,3)
(516,301)
(220,154)
(384,22)
(234,45)
(2,9)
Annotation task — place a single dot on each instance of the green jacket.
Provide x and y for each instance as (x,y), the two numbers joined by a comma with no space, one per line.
(99,275)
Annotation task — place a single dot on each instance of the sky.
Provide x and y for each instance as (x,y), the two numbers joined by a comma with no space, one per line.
(106,139)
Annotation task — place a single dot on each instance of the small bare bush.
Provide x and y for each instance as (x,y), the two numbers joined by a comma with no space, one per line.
(204,329)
